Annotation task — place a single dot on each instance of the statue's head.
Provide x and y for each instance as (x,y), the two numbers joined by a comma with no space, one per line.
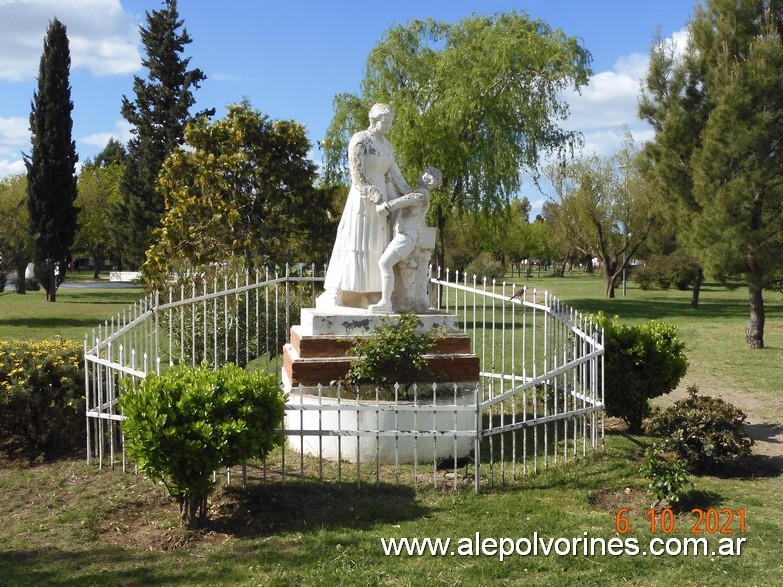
(379,110)
(431,178)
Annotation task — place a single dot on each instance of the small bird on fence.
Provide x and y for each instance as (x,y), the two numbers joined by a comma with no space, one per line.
(519,293)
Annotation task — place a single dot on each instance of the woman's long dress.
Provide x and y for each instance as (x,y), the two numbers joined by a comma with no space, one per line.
(362,235)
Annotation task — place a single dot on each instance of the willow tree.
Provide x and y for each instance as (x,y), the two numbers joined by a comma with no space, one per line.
(717,112)
(605,208)
(479,99)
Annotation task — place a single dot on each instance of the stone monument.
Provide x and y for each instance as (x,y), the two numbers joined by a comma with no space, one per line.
(379,267)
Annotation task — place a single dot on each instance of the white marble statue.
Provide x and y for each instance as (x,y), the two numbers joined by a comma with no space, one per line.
(410,212)
(353,277)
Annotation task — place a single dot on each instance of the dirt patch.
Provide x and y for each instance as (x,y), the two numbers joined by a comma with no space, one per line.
(151,522)
(612,500)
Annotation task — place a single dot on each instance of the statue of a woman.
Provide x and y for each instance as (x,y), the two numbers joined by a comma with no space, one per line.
(353,277)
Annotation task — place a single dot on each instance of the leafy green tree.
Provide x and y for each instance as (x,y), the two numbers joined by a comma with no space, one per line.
(606,209)
(479,99)
(243,188)
(100,204)
(561,241)
(16,242)
(716,155)
(113,152)
(51,166)
(159,115)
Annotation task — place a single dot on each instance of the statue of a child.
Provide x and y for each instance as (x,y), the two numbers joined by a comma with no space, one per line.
(411,209)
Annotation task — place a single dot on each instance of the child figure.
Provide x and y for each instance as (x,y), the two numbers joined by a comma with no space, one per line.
(412,208)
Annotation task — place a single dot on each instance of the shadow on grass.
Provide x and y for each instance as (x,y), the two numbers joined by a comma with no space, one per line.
(766,432)
(49,322)
(264,510)
(697,498)
(660,309)
(39,567)
(754,466)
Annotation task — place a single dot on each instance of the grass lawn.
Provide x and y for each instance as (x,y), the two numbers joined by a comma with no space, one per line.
(66,523)
(75,313)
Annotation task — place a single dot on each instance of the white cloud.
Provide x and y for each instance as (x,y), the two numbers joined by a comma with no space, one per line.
(609,104)
(122,133)
(14,139)
(103,38)
(11,167)
(14,133)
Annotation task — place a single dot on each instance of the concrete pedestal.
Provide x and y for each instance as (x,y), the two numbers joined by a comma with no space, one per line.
(317,356)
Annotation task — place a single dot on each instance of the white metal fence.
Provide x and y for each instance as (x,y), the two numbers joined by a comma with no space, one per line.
(539,402)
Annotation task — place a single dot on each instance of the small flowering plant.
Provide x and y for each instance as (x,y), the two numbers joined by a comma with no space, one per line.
(41,396)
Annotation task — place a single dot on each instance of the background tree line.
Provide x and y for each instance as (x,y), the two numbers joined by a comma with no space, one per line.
(479,99)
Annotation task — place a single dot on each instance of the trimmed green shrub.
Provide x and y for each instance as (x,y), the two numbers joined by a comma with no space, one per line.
(393,353)
(189,422)
(42,397)
(485,266)
(706,432)
(642,361)
(645,276)
(667,472)
(663,271)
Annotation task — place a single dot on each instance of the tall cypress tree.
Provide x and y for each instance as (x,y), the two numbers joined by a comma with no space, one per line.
(159,115)
(51,167)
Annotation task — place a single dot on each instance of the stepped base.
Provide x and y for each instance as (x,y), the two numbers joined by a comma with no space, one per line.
(317,351)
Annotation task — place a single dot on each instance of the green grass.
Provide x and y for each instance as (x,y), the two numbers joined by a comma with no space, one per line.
(71,524)
(66,523)
(714,335)
(75,313)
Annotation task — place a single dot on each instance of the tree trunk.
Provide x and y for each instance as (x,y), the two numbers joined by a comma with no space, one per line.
(697,288)
(193,512)
(610,277)
(754,333)
(609,289)
(440,220)
(48,281)
(51,290)
(21,286)
(97,261)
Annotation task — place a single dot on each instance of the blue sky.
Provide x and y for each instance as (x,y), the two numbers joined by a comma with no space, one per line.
(290,58)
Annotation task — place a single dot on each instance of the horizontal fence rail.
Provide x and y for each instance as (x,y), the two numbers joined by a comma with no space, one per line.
(539,401)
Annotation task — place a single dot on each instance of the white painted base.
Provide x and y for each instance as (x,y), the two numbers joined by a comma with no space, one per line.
(386,419)
(351,321)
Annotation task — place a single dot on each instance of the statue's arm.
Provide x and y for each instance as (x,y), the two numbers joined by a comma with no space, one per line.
(357,151)
(397,179)
(411,199)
